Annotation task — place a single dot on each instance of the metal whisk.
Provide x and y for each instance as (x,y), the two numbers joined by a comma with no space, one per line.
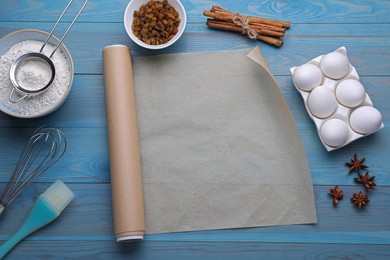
(44,148)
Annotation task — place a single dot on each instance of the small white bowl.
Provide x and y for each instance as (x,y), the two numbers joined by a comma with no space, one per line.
(13,38)
(135,5)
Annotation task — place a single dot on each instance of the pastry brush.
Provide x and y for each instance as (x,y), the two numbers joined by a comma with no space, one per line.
(48,207)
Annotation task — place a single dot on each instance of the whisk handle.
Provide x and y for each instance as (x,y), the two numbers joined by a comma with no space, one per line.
(2,208)
(40,215)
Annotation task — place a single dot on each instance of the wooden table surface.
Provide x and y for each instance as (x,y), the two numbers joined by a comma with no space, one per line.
(85,229)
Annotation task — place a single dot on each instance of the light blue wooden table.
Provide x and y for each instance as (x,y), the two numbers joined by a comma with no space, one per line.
(85,229)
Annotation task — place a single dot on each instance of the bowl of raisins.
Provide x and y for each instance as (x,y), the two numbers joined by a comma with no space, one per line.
(155,24)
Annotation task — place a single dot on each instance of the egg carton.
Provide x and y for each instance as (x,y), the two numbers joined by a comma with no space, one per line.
(335,99)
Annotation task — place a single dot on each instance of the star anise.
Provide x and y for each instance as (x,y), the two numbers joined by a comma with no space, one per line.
(366,180)
(356,164)
(360,200)
(337,195)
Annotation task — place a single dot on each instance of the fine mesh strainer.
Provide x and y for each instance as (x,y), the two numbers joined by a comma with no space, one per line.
(39,59)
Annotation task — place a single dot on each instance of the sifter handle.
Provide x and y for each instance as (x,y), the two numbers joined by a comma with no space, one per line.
(13,100)
(67,30)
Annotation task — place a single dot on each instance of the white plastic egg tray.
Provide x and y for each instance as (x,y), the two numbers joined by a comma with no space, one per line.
(336,100)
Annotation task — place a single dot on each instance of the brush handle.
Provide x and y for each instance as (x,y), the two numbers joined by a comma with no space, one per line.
(40,215)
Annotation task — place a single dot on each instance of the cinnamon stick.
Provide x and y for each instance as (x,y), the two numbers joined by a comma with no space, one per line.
(269,27)
(270,40)
(233,27)
(285,24)
(236,28)
(219,12)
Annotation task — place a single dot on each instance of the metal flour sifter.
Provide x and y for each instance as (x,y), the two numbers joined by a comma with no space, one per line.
(41,59)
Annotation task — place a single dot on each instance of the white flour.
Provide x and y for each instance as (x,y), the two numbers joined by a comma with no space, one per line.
(33,75)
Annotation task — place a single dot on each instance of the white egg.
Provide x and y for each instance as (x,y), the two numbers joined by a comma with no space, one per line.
(350,93)
(334,132)
(365,120)
(322,102)
(307,77)
(335,65)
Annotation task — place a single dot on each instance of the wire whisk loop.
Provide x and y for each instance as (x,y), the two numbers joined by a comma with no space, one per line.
(45,148)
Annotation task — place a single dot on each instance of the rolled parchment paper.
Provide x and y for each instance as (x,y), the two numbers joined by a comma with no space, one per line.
(125,162)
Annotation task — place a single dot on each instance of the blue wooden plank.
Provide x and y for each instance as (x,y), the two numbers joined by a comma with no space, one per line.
(346,30)
(85,106)
(92,208)
(362,11)
(87,156)
(86,50)
(194,250)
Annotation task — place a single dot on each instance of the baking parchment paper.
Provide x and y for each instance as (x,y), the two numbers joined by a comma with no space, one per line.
(219,146)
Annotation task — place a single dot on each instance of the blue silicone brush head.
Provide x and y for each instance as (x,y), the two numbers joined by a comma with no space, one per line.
(58,196)
(47,208)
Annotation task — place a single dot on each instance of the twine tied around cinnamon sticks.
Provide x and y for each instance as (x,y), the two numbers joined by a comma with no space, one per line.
(244,23)
(263,29)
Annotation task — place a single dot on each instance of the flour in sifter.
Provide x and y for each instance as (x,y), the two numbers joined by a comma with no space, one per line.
(34,75)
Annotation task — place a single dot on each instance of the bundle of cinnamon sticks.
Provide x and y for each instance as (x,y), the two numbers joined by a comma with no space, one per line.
(264,29)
